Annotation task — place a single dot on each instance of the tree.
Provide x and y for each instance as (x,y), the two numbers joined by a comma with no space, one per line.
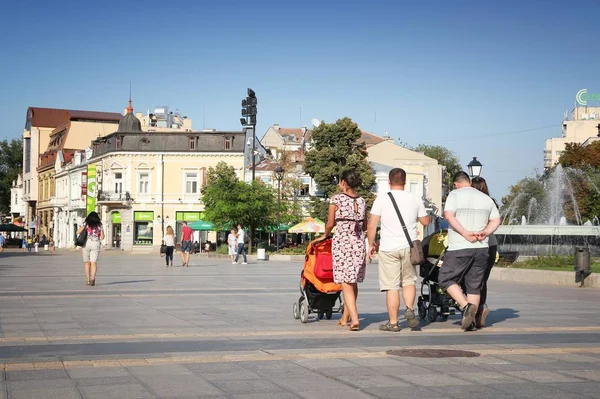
(229,202)
(578,156)
(335,148)
(291,209)
(11,164)
(446,158)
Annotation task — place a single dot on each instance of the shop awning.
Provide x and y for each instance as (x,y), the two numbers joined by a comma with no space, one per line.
(201,225)
(11,228)
(308,225)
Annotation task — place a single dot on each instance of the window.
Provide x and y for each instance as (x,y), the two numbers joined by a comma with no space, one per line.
(143,183)
(192,143)
(27,155)
(304,186)
(118,182)
(228,143)
(117,143)
(191,183)
(413,188)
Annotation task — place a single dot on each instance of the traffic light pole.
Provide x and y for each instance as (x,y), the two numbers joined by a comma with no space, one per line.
(253,152)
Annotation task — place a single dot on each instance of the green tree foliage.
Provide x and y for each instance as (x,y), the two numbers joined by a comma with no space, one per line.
(446,158)
(578,156)
(335,148)
(11,164)
(229,201)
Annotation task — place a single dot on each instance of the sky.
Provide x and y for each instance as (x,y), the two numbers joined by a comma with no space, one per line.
(486,80)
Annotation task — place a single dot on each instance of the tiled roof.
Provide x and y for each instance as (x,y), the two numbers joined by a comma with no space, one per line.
(368,138)
(54,117)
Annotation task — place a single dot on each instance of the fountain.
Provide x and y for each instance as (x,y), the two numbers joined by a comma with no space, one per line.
(550,218)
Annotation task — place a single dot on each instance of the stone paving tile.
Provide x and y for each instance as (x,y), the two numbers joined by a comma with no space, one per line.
(46,393)
(90,382)
(473,392)
(277,395)
(36,375)
(159,369)
(130,391)
(535,391)
(430,379)
(408,392)
(542,376)
(235,387)
(487,377)
(40,384)
(335,394)
(591,375)
(582,388)
(179,385)
(324,363)
(372,381)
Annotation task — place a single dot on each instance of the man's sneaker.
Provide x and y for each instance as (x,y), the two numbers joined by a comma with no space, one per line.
(469,313)
(244,263)
(412,321)
(480,319)
(234,263)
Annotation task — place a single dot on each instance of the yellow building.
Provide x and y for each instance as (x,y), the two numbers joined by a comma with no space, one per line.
(147,181)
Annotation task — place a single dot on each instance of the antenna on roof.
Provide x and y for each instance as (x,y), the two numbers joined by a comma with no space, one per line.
(315,122)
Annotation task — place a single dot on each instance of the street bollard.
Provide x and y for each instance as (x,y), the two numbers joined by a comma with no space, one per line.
(582,264)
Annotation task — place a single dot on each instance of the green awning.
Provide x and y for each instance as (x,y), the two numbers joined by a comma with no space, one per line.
(201,225)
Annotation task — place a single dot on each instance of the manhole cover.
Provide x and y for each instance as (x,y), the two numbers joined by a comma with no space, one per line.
(434,353)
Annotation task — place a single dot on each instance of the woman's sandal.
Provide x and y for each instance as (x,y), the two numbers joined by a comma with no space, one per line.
(88,282)
(342,324)
(389,327)
(93,283)
(354,327)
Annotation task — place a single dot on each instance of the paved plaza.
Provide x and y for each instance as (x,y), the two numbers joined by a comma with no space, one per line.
(216,330)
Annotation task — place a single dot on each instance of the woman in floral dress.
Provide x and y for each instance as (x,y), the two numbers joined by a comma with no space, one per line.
(348,212)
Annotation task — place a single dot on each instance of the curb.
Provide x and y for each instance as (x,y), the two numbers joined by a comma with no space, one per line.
(546,277)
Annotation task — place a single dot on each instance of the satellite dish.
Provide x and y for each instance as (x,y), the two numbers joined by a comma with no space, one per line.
(315,122)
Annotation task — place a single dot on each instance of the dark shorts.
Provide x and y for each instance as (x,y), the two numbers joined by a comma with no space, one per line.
(467,264)
(186,246)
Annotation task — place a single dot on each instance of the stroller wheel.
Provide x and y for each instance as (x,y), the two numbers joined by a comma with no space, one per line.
(296,311)
(432,313)
(329,314)
(304,312)
(321,314)
(422,310)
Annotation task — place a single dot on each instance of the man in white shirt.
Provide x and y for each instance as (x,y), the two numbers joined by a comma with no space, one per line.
(395,268)
(472,216)
(241,249)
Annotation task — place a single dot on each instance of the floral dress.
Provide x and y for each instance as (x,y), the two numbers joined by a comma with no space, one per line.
(348,246)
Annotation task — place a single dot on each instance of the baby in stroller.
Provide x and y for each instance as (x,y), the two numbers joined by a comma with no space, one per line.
(319,292)
(434,302)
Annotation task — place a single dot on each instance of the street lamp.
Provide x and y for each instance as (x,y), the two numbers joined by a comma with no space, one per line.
(279,176)
(249,112)
(475,168)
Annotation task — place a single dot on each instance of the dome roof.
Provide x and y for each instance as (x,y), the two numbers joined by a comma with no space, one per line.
(130,123)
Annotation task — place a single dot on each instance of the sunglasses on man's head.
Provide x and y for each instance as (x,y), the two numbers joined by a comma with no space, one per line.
(335,180)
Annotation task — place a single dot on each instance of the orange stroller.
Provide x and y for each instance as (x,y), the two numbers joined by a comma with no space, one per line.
(319,292)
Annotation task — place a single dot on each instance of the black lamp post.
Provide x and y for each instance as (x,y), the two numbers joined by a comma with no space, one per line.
(279,176)
(475,168)
(249,112)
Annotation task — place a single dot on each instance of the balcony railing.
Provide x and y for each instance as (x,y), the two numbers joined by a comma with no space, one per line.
(112,196)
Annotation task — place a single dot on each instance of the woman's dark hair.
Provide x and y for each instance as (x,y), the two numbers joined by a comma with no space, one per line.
(93,220)
(351,177)
(480,184)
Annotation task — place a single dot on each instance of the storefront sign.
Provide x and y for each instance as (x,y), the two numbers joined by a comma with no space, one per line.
(91,189)
(116,218)
(188,216)
(84,183)
(143,216)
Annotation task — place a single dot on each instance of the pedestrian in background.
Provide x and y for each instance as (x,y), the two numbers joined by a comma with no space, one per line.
(91,250)
(241,248)
(169,240)
(232,244)
(186,244)
(2,242)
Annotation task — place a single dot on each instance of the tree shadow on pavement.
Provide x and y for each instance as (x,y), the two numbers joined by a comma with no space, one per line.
(128,282)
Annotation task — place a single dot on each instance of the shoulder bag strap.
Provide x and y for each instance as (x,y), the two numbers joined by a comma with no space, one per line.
(401,219)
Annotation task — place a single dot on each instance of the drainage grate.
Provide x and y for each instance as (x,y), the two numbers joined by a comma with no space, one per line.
(432,353)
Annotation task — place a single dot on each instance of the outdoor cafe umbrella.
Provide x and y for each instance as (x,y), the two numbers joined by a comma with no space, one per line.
(11,228)
(282,228)
(201,225)
(308,225)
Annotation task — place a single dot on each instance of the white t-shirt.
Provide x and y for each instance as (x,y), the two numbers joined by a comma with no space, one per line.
(392,234)
(241,236)
(474,210)
(231,240)
(169,240)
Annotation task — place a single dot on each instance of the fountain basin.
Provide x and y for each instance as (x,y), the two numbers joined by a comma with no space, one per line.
(544,240)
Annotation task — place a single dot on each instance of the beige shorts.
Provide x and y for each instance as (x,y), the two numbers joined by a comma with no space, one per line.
(396,270)
(91,251)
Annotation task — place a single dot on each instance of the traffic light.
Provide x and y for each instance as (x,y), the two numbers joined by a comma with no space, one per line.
(249,109)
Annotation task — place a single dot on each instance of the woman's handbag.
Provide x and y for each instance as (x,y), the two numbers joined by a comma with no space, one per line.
(416,247)
(81,238)
(163,249)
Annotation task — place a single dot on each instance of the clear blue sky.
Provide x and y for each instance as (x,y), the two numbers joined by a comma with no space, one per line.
(427,74)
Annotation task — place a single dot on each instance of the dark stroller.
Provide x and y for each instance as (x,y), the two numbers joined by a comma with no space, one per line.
(319,292)
(434,302)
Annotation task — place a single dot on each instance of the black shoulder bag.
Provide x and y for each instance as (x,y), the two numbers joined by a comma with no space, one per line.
(416,247)
(81,238)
